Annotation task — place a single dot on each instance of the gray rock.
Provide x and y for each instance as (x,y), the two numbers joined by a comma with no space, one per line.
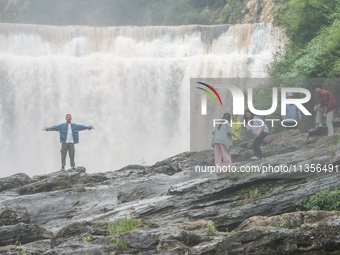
(14,215)
(22,233)
(14,181)
(176,204)
(313,232)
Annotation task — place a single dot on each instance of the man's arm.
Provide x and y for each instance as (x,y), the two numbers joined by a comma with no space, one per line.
(53,128)
(316,107)
(83,127)
(325,111)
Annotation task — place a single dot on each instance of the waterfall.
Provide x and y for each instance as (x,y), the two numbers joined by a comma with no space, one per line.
(130,83)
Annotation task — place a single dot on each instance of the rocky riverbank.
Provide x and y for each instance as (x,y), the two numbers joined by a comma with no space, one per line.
(179,212)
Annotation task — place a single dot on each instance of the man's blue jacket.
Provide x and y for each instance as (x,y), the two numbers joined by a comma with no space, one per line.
(63,128)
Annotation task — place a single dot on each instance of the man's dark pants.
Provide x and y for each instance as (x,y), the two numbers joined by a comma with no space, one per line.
(70,148)
(257,143)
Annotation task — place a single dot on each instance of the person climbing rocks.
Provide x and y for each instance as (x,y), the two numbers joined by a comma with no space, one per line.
(292,112)
(325,109)
(257,126)
(69,135)
(222,142)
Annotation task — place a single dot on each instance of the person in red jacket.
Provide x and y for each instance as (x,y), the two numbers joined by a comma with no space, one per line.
(325,109)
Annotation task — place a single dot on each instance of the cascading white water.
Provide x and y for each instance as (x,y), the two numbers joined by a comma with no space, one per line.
(130,83)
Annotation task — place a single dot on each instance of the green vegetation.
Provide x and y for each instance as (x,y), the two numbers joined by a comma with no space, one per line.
(256,192)
(328,200)
(230,232)
(34,188)
(185,154)
(331,253)
(120,244)
(234,11)
(122,12)
(123,225)
(283,224)
(22,252)
(252,193)
(238,175)
(313,27)
(336,138)
(211,230)
(312,51)
(86,239)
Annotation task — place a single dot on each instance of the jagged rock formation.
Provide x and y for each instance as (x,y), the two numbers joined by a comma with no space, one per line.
(260,11)
(313,232)
(68,212)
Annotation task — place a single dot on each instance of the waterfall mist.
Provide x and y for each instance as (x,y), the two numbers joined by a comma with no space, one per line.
(130,83)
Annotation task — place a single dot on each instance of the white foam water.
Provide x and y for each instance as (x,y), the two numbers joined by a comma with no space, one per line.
(130,83)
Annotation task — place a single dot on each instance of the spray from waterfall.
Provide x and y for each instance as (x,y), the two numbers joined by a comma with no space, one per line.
(131,83)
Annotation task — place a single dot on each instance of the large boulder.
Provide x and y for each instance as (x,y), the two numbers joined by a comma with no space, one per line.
(14,181)
(312,232)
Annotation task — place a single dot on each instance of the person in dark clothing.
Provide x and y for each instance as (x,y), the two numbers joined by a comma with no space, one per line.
(258,128)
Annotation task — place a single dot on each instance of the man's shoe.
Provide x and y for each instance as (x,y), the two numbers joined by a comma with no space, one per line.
(317,127)
(73,168)
(322,124)
(314,130)
(62,168)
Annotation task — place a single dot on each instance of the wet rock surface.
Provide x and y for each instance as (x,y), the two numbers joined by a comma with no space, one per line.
(312,232)
(180,211)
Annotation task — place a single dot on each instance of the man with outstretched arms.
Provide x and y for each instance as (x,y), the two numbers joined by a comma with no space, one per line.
(69,135)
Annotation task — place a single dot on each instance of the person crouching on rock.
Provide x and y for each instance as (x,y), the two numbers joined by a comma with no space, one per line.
(222,142)
(258,128)
(68,137)
(325,109)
